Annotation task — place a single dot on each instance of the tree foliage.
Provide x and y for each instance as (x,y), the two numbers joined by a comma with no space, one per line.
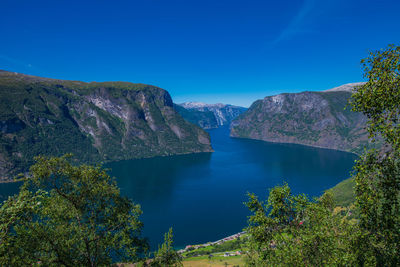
(291,230)
(166,255)
(377,173)
(379,98)
(67,215)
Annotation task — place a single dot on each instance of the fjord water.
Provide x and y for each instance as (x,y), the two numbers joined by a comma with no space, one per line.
(201,195)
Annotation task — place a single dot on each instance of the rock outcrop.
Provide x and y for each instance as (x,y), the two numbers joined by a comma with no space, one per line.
(320,119)
(97,122)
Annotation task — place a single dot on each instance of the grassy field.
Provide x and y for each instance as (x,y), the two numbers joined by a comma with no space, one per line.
(213,254)
(215,261)
(343,193)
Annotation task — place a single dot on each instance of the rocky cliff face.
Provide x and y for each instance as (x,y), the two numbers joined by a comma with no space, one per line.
(95,121)
(308,118)
(209,116)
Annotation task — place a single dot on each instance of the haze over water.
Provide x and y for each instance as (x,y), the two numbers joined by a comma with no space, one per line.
(201,195)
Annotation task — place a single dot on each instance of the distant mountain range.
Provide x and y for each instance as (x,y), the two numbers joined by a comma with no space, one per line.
(109,121)
(209,116)
(320,119)
(97,121)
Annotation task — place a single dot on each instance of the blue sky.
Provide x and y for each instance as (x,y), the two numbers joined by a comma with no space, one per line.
(211,51)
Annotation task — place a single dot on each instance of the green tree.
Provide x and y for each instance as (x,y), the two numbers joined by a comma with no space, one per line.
(67,215)
(328,236)
(166,255)
(379,97)
(291,230)
(377,173)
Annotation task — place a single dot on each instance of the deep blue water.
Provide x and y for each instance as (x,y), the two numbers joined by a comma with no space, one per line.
(201,195)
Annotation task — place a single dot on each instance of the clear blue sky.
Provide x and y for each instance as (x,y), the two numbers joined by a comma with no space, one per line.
(211,51)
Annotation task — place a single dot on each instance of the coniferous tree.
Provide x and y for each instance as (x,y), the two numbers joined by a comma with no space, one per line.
(166,255)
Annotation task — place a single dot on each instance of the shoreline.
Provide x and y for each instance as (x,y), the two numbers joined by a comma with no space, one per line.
(293,143)
(210,243)
(11,181)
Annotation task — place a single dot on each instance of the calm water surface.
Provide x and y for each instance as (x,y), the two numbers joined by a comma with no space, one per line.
(201,195)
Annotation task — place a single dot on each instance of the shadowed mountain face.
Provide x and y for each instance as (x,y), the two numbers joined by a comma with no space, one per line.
(209,116)
(105,121)
(309,118)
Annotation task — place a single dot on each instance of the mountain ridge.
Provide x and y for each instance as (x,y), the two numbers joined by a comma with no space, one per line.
(96,121)
(348,87)
(313,118)
(209,116)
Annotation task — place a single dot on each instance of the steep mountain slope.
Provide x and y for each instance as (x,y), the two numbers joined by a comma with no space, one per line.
(309,118)
(96,122)
(209,116)
(205,119)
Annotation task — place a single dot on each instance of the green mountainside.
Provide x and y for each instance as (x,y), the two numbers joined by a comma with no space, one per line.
(318,119)
(95,121)
(343,192)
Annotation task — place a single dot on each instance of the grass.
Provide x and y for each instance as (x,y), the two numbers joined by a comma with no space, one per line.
(214,261)
(228,246)
(213,255)
(343,192)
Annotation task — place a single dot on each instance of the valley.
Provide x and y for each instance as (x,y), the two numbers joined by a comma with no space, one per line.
(209,116)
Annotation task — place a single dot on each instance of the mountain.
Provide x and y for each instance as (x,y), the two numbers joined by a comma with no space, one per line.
(348,87)
(205,119)
(97,121)
(209,116)
(318,119)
